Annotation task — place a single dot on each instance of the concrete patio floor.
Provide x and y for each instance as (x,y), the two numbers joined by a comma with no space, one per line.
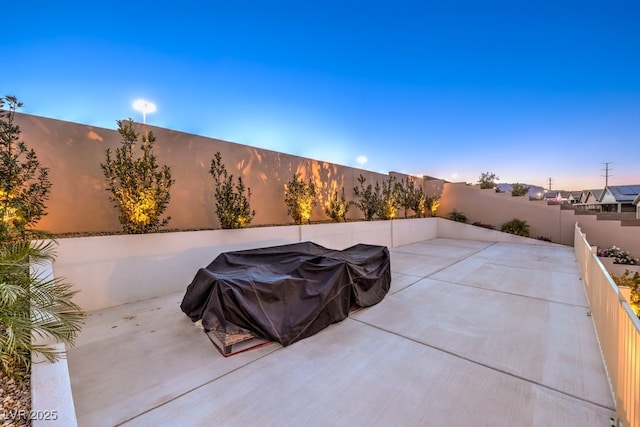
(471,333)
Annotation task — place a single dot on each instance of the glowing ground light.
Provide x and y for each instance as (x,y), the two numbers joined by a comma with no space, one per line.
(145,107)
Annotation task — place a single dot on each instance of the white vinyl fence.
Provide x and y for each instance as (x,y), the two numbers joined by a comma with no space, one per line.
(618,330)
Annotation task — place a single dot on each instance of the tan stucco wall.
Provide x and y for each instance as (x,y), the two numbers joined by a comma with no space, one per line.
(551,221)
(79,201)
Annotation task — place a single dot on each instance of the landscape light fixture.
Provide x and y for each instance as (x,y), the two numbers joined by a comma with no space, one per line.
(362,160)
(145,107)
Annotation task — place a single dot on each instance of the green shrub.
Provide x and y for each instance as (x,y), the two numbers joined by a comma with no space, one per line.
(432,204)
(233,208)
(412,197)
(32,306)
(633,282)
(369,198)
(390,199)
(516,226)
(337,206)
(139,186)
(454,215)
(300,198)
(24,184)
(519,189)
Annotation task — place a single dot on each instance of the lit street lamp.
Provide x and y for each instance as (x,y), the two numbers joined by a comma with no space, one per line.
(145,107)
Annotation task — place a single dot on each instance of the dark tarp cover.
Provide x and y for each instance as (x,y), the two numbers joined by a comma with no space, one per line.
(286,293)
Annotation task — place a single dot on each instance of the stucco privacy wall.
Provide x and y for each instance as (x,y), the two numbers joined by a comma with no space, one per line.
(79,202)
(113,270)
(489,207)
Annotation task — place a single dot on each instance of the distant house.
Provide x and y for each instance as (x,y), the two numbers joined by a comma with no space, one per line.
(583,196)
(619,198)
(573,197)
(556,197)
(590,200)
(636,202)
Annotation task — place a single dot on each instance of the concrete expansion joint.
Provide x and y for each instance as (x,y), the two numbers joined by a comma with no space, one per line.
(186,392)
(493,368)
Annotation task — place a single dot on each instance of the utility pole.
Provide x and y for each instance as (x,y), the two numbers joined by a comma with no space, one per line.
(550,180)
(607,173)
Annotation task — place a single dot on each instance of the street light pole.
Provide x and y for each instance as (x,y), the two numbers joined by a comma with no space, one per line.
(145,107)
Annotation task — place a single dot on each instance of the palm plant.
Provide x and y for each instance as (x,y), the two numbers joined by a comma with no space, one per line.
(516,226)
(33,306)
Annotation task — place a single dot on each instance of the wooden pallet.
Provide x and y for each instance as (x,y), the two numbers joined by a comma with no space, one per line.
(230,344)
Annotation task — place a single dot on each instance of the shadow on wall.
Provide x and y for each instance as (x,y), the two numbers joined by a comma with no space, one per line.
(79,201)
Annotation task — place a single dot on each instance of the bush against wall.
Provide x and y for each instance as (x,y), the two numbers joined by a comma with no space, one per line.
(139,186)
(457,216)
(29,305)
(390,200)
(369,198)
(337,206)
(24,183)
(632,282)
(300,198)
(432,204)
(413,197)
(233,208)
(516,226)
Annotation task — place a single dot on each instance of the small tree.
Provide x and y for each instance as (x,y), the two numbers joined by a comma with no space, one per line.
(24,184)
(432,204)
(457,216)
(412,197)
(30,305)
(300,198)
(516,226)
(337,207)
(390,200)
(519,189)
(369,198)
(139,186)
(633,282)
(233,208)
(488,180)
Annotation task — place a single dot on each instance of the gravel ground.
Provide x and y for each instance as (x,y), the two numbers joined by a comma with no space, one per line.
(15,401)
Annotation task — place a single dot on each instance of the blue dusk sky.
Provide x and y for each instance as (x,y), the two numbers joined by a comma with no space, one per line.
(529,90)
